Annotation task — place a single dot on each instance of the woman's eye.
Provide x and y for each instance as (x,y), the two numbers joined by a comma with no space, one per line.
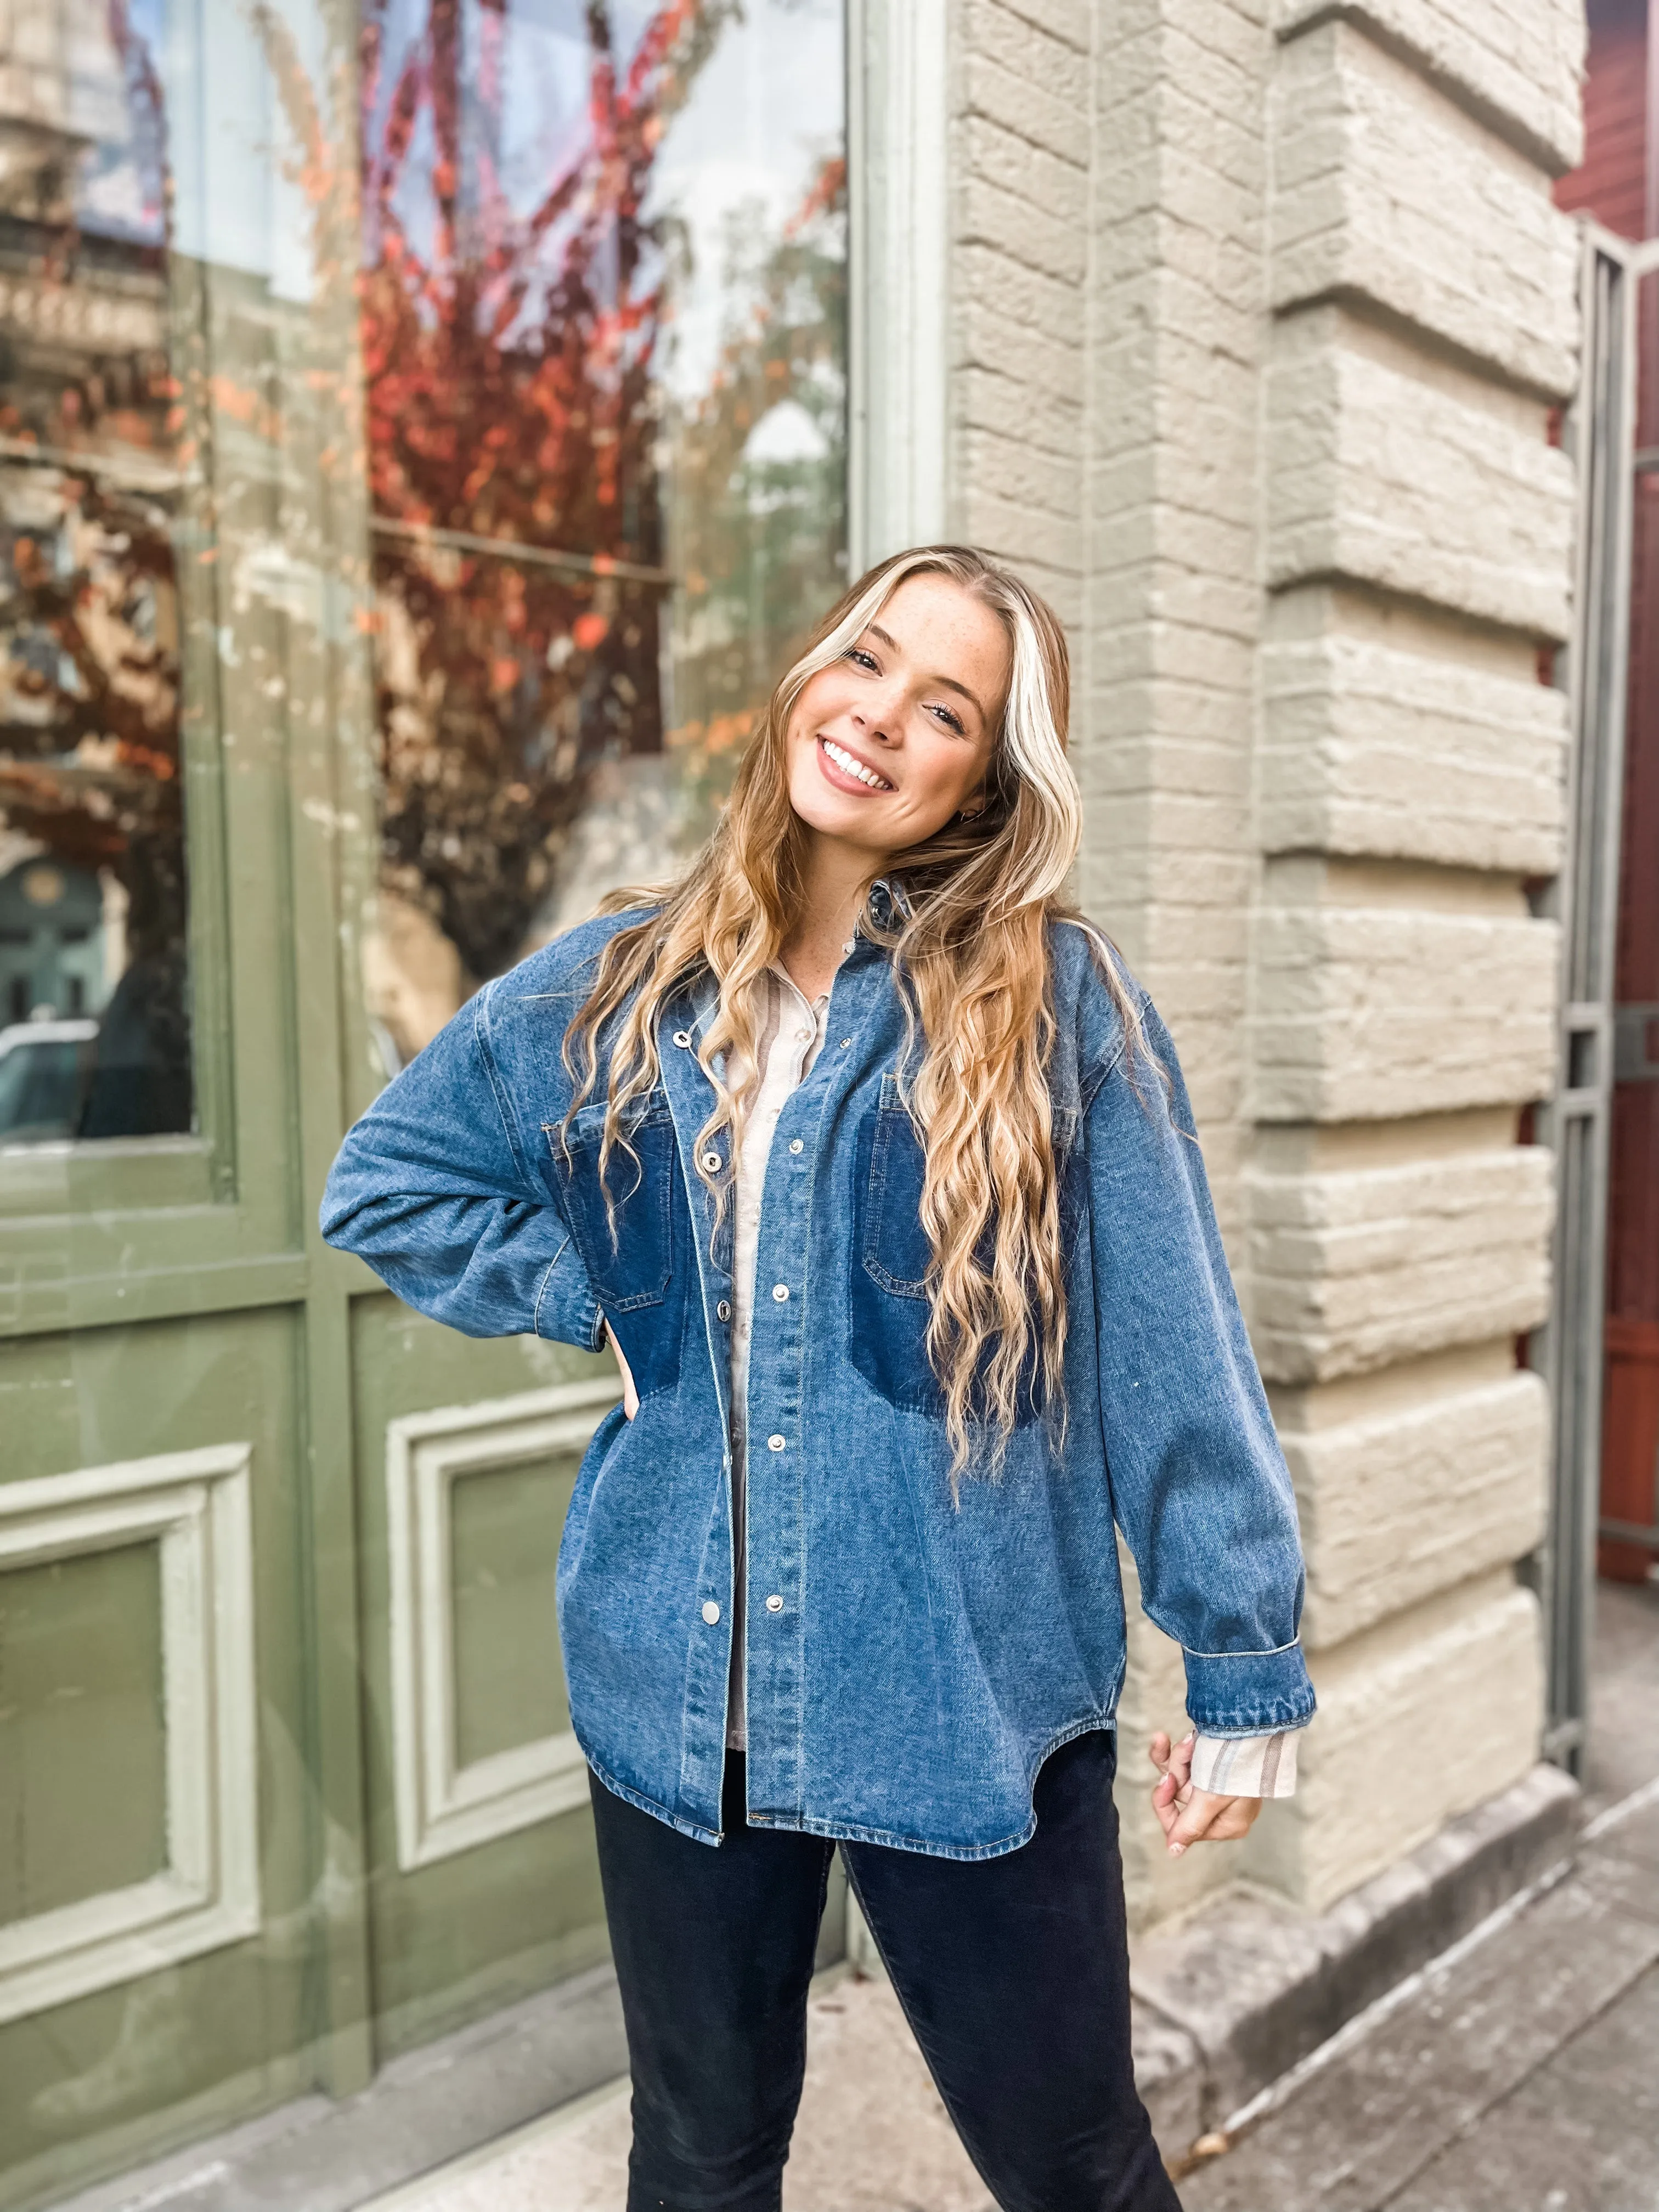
(954,722)
(858,653)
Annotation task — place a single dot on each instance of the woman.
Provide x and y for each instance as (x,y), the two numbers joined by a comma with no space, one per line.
(878,1173)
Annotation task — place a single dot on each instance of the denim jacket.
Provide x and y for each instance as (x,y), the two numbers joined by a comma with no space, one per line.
(912,1657)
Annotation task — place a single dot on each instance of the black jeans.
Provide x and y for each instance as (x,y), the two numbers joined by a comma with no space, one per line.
(1013,1973)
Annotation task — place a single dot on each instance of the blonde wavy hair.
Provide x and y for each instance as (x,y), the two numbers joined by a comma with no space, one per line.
(970,953)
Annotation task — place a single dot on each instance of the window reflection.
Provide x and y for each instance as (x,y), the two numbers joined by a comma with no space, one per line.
(94,1004)
(603,332)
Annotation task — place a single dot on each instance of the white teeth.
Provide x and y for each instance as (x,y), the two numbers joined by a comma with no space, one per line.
(845,761)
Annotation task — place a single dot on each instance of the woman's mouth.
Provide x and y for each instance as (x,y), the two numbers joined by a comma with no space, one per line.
(846,770)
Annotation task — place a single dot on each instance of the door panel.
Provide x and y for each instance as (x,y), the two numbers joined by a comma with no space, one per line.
(155,1906)
(477,1900)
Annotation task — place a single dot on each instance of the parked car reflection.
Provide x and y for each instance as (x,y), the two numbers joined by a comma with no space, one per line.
(46,1071)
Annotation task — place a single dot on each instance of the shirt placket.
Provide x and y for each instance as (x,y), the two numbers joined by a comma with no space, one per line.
(797,1036)
(777,1453)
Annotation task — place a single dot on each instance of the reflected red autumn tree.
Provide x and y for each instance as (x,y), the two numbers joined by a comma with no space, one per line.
(512,423)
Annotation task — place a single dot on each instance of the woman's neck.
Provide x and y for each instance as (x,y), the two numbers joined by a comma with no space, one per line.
(838,879)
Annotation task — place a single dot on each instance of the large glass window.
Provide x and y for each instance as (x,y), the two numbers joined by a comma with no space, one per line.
(604,334)
(95,1020)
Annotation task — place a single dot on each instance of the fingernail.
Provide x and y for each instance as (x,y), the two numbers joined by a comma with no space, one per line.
(1176,1849)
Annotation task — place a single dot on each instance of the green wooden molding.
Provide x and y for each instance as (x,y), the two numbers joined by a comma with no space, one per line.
(108,1300)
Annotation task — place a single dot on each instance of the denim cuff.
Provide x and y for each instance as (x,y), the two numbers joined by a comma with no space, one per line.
(1249,1692)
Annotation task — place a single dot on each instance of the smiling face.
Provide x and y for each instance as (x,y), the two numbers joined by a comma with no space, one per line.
(890,740)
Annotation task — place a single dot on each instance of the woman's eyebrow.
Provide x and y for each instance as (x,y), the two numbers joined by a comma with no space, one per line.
(944,683)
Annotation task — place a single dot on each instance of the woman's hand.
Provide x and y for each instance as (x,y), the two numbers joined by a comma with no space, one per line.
(630,1395)
(1187,1815)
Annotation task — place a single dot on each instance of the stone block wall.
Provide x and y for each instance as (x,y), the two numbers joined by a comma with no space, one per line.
(1259,311)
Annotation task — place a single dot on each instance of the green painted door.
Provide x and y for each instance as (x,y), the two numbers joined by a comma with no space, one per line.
(421,438)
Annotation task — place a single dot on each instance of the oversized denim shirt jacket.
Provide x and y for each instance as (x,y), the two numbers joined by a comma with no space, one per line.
(913,1655)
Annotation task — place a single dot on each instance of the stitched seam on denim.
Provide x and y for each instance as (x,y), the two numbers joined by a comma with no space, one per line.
(480,1037)
(1087,1093)
(1274,1652)
(1240,1734)
(901,1286)
(541,1287)
(845,1832)
(644,1804)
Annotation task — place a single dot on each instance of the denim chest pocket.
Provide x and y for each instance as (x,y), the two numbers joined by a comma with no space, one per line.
(623,1227)
(890,1305)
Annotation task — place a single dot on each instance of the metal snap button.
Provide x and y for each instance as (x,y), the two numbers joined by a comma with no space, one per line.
(781,1293)
(711,1612)
(711,1161)
(845,1043)
(724,1309)
(774,1443)
(775,1605)
(795,1144)
(681,1037)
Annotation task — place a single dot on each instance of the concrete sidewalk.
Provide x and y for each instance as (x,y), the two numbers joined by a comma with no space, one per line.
(871,2136)
(1518,2074)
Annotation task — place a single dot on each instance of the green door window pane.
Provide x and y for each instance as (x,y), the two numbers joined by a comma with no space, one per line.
(504,1537)
(82,1739)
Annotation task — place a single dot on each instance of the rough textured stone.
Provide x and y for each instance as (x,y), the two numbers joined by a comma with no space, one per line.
(1368,1009)
(1394,470)
(1373,710)
(1420,1719)
(1516,64)
(1352,1268)
(1406,1500)
(1387,734)
(1386,194)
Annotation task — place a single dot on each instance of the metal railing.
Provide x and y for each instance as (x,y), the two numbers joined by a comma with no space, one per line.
(1600,433)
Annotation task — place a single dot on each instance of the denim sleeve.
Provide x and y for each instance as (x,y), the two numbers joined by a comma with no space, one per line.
(433,1190)
(1199,1488)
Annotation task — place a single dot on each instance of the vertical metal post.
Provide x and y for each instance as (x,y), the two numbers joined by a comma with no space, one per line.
(1600,433)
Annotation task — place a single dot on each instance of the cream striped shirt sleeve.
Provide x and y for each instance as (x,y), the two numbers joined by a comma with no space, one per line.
(1247,1765)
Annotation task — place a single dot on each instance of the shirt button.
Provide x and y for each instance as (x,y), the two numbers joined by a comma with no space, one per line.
(803,1036)
(711,1161)
(774,1443)
(724,1309)
(681,1037)
(795,1144)
(781,1293)
(775,1605)
(711,1612)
